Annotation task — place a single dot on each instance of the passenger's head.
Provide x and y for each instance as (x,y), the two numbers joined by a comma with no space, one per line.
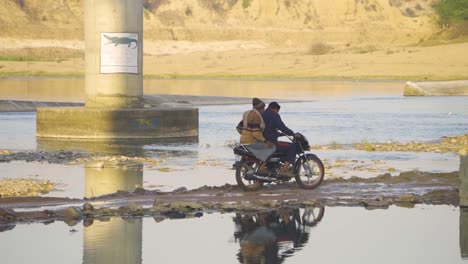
(274,106)
(258,104)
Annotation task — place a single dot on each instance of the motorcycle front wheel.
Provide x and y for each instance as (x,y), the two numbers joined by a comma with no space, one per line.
(310,172)
(244,175)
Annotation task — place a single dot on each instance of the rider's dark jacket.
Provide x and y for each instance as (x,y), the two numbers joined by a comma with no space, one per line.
(273,123)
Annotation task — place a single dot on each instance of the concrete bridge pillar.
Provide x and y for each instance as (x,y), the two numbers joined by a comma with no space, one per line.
(114,84)
(114,53)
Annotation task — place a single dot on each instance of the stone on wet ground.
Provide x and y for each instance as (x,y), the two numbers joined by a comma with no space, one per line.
(7,215)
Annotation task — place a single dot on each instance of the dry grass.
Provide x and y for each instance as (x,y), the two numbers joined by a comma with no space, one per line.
(319,48)
(40,54)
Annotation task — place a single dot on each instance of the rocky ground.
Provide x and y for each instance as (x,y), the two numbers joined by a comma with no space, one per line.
(31,187)
(406,189)
(380,192)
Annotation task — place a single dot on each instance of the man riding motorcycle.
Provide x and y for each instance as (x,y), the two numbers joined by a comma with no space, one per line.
(274,124)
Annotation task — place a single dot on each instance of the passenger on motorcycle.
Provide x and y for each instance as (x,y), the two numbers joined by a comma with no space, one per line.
(274,124)
(251,129)
(252,124)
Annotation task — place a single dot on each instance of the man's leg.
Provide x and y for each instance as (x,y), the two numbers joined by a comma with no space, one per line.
(262,169)
(290,151)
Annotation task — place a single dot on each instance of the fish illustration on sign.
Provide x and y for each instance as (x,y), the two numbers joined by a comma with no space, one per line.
(121,41)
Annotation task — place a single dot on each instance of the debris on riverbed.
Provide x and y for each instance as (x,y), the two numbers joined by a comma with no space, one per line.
(455,144)
(24,187)
(52,157)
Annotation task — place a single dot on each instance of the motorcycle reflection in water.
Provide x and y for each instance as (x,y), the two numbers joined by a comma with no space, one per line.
(271,237)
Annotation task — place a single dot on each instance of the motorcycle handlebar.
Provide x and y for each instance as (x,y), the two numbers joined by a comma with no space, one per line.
(281,134)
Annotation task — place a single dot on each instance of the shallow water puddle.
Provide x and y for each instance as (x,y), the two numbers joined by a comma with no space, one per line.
(425,234)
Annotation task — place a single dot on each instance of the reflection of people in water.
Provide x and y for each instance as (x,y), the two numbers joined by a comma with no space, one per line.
(270,237)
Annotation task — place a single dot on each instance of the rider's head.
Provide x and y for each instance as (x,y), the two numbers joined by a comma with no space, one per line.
(258,104)
(274,106)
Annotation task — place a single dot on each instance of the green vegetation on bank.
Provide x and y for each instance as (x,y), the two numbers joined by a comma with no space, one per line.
(451,12)
(15,58)
(2,58)
(38,74)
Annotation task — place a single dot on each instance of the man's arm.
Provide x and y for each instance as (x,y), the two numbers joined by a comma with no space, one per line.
(281,126)
(257,134)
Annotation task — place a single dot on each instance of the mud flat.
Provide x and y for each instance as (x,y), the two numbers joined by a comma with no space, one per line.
(406,190)
(28,106)
(151,100)
(436,88)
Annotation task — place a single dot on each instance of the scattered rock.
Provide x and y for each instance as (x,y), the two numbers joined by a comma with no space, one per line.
(181,189)
(227,187)
(406,198)
(123,193)
(71,222)
(87,207)
(175,214)
(72,213)
(88,222)
(229,207)
(139,191)
(185,206)
(7,215)
(105,212)
(198,214)
(7,227)
(406,204)
(132,209)
(374,204)
(158,219)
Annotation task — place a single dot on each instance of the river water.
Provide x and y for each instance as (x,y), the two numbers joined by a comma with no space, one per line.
(425,234)
(328,112)
(349,112)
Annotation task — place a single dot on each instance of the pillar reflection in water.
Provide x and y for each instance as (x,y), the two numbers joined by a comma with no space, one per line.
(104,177)
(464,232)
(117,241)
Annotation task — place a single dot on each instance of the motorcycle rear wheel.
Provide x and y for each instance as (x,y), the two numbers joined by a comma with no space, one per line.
(246,169)
(310,172)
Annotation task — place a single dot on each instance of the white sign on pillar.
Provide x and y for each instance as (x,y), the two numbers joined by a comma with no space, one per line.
(119,53)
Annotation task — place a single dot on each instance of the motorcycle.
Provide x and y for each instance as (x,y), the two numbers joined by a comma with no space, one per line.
(308,169)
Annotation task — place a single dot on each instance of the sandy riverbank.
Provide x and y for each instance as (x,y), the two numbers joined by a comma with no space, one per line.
(173,59)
